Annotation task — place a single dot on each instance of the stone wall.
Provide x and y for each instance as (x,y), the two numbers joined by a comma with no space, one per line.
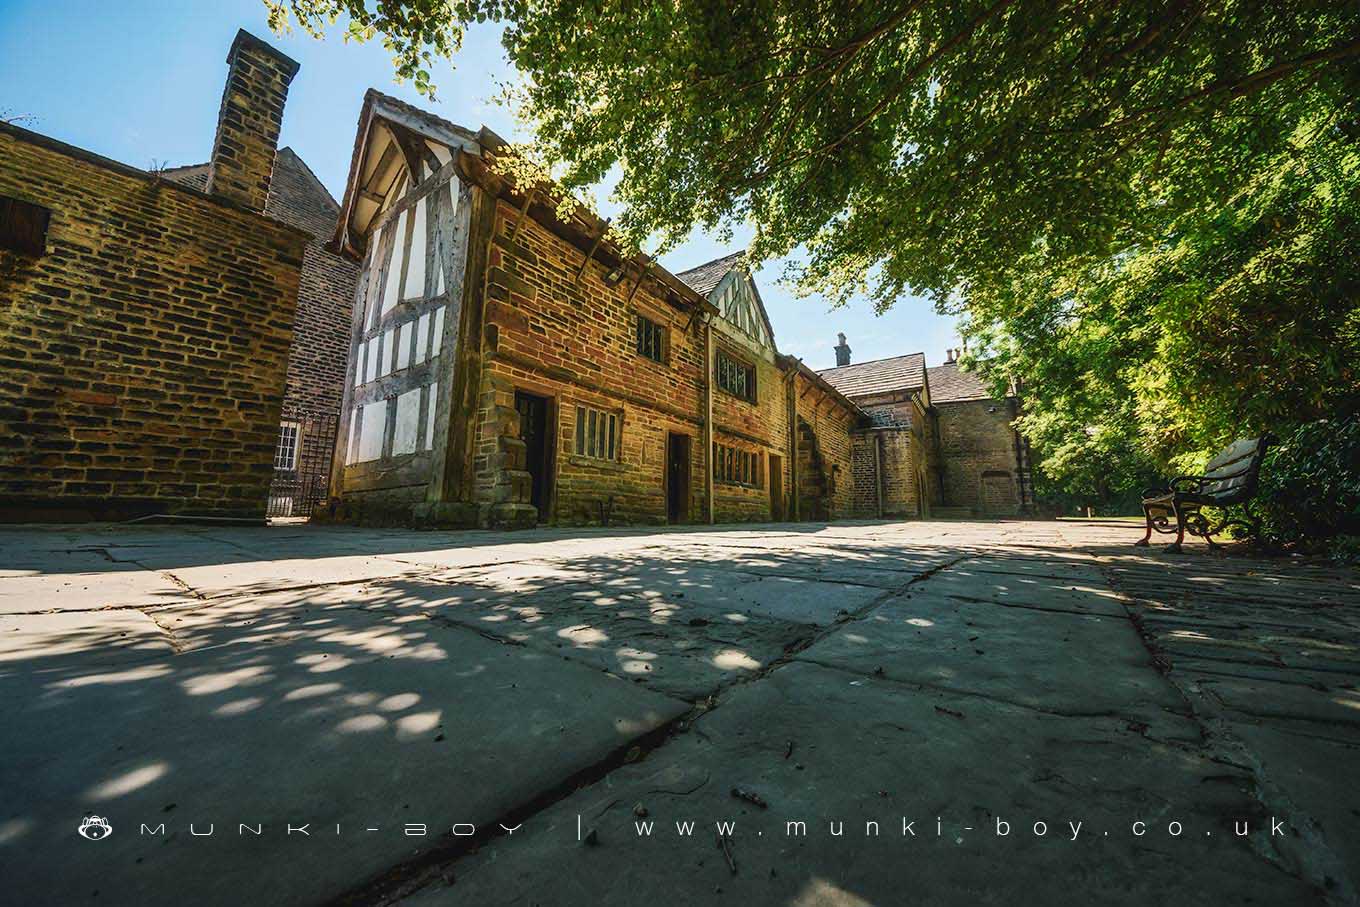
(866,501)
(759,426)
(573,343)
(977,449)
(832,424)
(906,459)
(142,357)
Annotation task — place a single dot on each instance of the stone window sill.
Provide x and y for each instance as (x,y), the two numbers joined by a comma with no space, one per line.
(747,400)
(594,463)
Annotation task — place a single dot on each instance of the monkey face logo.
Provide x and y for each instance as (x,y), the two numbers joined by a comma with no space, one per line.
(94,828)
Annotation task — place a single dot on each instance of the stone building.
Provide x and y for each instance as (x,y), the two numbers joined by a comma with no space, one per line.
(935,441)
(315,384)
(145,325)
(984,462)
(509,365)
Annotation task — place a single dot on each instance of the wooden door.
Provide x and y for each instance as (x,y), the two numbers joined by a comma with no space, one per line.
(533,431)
(776,488)
(677,478)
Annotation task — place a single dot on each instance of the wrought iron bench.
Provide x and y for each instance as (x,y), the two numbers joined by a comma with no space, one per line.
(1230,478)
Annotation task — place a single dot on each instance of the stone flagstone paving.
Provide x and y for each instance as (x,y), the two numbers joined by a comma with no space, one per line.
(863,706)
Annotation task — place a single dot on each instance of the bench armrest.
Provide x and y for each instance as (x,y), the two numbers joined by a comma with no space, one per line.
(1184,484)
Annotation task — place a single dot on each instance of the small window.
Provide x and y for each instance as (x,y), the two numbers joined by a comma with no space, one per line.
(651,339)
(736,377)
(23,226)
(285,457)
(737,467)
(597,433)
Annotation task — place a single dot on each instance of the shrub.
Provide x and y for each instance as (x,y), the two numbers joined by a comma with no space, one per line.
(1310,487)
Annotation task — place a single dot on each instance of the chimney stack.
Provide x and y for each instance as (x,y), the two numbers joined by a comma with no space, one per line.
(950,355)
(842,352)
(248,123)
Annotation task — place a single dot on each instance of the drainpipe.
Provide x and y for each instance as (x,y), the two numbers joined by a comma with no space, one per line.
(708,419)
(795,496)
(878,471)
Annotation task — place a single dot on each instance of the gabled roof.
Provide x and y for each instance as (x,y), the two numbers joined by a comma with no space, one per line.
(705,278)
(296,196)
(394,137)
(950,384)
(880,376)
(709,276)
(391,137)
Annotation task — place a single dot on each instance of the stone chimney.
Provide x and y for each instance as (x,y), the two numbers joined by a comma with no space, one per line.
(842,352)
(950,355)
(248,123)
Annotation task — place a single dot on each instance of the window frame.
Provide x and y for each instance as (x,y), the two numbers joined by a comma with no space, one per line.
(294,450)
(738,466)
(594,427)
(641,325)
(724,363)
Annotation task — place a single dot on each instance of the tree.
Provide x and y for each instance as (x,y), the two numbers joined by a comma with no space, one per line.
(1128,199)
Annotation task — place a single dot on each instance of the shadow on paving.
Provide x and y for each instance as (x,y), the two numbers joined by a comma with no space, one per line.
(863,672)
(458,695)
(1268,652)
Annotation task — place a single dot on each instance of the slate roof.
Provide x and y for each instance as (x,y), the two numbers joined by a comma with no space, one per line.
(879,376)
(708,275)
(950,384)
(296,196)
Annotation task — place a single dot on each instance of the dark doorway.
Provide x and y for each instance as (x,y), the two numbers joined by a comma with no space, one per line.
(776,488)
(677,478)
(533,431)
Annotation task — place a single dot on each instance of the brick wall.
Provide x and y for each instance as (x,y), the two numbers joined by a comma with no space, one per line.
(321,329)
(832,424)
(142,358)
(760,427)
(574,345)
(906,457)
(864,466)
(977,449)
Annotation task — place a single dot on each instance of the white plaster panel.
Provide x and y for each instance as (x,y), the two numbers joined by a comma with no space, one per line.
(438,331)
(393,285)
(429,418)
(385,355)
(352,454)
(404,333)
(415,275)
(408,423)
(374,349)
(371,429)
(422,338)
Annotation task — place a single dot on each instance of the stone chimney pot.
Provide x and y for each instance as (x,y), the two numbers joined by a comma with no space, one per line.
(842,352)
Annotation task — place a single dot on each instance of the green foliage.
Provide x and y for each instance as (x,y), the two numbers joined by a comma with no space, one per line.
(1146,213)
(415,32)
(1310,485)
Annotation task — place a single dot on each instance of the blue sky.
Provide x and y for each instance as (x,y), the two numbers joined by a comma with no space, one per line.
(140,80)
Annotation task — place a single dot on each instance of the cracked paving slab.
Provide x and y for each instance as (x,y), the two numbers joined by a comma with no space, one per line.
(1068,663)
(359,720)
(863,751)
(680,647)
(35,581)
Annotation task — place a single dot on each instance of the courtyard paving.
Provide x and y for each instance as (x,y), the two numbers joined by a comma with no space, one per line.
(317,715)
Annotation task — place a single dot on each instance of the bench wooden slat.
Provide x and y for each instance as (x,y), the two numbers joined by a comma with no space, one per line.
(1229,478)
